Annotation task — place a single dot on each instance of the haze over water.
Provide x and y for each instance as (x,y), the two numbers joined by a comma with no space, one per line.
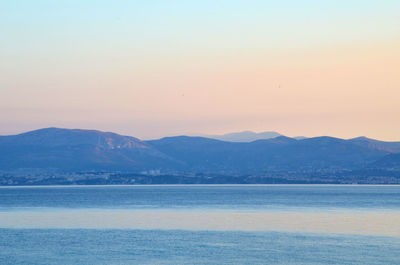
(373,210)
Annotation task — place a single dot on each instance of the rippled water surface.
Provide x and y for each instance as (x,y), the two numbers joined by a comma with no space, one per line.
(269,224)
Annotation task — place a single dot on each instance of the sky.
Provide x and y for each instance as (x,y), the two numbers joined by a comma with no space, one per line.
(158,68)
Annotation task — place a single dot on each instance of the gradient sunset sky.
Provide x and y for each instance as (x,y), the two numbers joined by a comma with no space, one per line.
(156,68)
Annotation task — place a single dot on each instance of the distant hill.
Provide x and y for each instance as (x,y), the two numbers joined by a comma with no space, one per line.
(245,136)
(69,150)
(65,150)
(300,137)
(392,147)
(280,153)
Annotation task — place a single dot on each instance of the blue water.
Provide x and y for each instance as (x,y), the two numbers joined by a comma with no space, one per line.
(34,229)
(214,197)
(191,247)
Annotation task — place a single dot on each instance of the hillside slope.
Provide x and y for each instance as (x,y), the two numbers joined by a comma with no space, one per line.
(54,149)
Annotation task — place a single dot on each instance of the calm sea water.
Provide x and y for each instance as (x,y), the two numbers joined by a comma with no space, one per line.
(269,224)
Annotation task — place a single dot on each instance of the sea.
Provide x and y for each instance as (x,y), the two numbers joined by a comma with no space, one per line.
(200,224)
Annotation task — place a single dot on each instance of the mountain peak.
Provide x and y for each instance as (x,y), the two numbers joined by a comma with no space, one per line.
(364,138)
(245,136)
(53,136)
(76,149)
(392,147)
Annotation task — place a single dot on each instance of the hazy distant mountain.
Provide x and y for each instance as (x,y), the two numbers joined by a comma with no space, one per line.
(300,137)
(245,136)
(54,149)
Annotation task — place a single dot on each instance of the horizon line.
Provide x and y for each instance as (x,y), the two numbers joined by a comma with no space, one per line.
(210,136)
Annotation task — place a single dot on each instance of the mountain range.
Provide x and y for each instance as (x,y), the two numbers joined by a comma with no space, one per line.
(248,136)
(71,150)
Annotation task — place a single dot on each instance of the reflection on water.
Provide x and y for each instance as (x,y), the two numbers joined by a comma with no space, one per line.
(200,225)
(384,223)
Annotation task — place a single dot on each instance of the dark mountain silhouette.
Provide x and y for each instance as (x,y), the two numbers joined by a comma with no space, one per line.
(64,149)
(392,147)
(283,153)
(78,150)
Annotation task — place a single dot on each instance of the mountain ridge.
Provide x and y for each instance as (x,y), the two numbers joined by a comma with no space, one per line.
(77,149)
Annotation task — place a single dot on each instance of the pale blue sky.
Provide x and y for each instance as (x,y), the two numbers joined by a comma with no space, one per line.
(154,68)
